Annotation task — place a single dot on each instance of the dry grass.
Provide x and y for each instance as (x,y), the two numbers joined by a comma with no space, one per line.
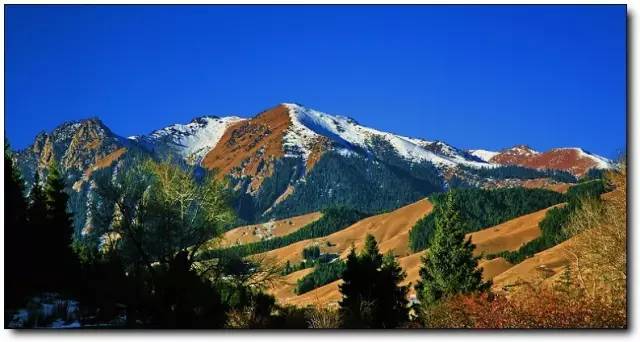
(509,235)
(599,254)
(271,229)
(391,230)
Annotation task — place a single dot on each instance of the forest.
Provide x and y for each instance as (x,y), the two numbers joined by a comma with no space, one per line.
(142,260)
(480,208)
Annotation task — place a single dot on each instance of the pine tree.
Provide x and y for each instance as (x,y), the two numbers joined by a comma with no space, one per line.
(371,295)
(371,253)
(393,296)
(353,296)
(37,208)
(449,266)
(16,235)
(35,260)
(59,231)
(15,203)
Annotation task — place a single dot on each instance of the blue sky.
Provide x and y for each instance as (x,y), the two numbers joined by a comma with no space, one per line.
(474,76)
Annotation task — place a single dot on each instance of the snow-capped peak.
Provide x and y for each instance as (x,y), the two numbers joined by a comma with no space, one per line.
(192,141)
(601,162)
(484,154)
(523,150)
(307,124)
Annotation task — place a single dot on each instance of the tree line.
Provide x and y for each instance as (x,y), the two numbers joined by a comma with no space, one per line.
(331,221)
(520,172)
(556,219)
(481,208)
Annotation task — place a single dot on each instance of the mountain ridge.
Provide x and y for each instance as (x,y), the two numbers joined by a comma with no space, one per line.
(290,160)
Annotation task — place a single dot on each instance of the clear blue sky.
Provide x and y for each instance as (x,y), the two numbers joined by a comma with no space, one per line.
(474,76)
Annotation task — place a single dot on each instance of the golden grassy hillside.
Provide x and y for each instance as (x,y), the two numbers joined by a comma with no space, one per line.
(391,230)
(257,232)
(509,235)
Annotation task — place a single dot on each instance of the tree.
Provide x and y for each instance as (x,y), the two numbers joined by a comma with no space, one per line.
(160,216)
(371,295)
(449,266)
(393,297)
(62,263)
(37,207)
(16,234)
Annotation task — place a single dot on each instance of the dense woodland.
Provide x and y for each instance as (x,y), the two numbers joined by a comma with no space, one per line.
(338,180)
(519,172)
(556,219)
(481,208)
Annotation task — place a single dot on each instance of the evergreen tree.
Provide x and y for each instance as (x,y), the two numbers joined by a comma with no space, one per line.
(37,208)
(16,237)
(15,203)
(371,296)
(353,306)
(393,296)
(449,266)
(59,232)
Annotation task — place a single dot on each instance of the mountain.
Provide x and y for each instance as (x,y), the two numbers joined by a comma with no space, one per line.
(76,146)
(191,141)
(292,160)
(571,159)
(483,154)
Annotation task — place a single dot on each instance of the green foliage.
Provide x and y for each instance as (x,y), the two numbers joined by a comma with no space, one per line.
(481,208)
(332,220)
(311,253)
(322,274)
(593,174)
(552,226)
(158,210)
(519,172)
(449,266)
(371,294)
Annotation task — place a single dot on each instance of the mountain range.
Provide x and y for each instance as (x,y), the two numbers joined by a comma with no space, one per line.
(292,160)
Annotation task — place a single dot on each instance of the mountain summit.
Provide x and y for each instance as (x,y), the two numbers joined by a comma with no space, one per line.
(291,160)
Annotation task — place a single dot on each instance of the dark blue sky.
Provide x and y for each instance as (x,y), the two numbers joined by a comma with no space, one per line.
(474,76)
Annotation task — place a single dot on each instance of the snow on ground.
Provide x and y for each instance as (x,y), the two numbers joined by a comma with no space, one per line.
(192,140)
(601,162)
(484,154)
(309,123)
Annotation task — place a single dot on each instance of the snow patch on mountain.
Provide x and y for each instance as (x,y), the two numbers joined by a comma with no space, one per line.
(309,124)
(522,150)
(192,141)
(601,162)
(484,154)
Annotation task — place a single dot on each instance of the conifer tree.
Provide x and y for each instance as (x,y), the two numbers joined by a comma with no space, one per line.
(37,207)
(59,231)
(449,266)
(16,236)
(372,297)
(393,296)
(15,203)
(352,305)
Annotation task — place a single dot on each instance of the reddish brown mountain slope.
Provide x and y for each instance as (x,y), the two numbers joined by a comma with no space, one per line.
(249,148)
(572,160)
